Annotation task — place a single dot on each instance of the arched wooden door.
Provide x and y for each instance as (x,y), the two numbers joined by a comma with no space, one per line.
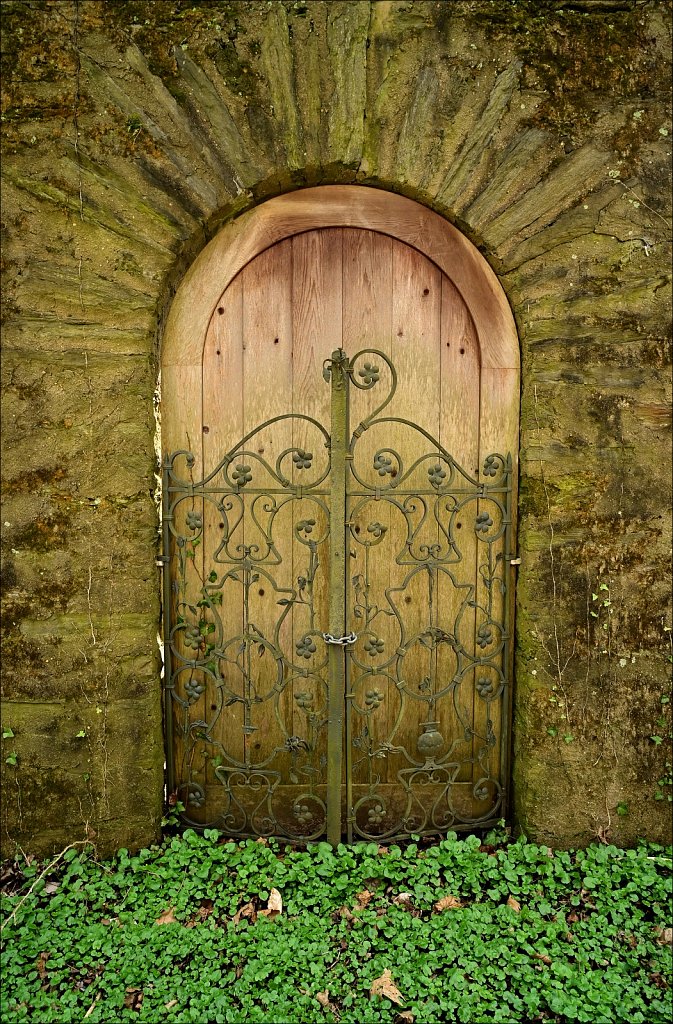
(338,373)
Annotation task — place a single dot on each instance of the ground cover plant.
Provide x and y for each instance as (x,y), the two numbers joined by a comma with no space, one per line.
(203,929)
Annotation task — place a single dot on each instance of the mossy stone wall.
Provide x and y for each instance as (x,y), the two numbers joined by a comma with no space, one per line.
(132,132)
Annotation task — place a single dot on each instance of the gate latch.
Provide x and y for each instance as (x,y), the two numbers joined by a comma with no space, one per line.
(340,641)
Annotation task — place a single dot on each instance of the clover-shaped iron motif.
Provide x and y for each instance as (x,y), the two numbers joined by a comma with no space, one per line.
(490,466)
(304,700)
(484,687)
(303,814)
(375,814)
(377,529)
(302,459)
(382,464)
(373,698)
(436,475)
(373,646)
(484,635)
(483,522)
(193,637)
(305,526)
(242,475)
(196,797)
(305,647)
(370,374)
(194,520)
(481,793)
(194,689)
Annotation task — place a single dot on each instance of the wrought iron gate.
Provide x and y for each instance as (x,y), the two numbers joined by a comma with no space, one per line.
(357,683)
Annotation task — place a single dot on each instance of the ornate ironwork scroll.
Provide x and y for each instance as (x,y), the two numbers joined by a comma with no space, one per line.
(337,628)
(427,736)
(245,663)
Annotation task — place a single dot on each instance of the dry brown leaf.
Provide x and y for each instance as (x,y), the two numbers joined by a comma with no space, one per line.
(248,911)
(448,903)
(403,899)
(262,841)
(133,998)
(206,909)
(664,935)
(385,986)
(40,965)
(52,887)
(324,1000)
(274,906)
(514,904)
(167,917)
(544,957)
(365,897)
(405,1017)
(346,914)
(171,1004)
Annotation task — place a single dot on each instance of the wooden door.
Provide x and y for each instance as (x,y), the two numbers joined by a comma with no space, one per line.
(423,746)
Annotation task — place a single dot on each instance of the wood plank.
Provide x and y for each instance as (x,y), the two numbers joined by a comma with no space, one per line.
(459,434)
(267,392)
(367,323)
(416,356)
(316,332)
(222,429)
(181,421)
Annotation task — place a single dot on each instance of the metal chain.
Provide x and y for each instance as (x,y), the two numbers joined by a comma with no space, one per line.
(341,641)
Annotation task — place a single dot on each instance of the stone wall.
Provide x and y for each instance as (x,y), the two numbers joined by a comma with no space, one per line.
(132,132)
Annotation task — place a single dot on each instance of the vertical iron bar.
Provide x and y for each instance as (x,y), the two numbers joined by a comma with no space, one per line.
(166,622)
(337,613)
(348,742)
(505,735)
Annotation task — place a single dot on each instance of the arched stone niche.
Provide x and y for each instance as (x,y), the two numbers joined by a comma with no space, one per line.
(262,308)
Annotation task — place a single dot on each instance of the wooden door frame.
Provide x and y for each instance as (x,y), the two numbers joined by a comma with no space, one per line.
(345,206)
